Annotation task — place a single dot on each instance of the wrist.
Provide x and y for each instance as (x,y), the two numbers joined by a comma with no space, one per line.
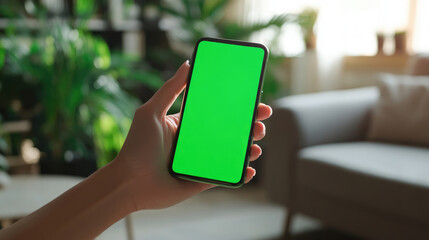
(122,183)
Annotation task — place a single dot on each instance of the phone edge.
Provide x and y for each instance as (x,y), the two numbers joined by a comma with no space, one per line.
(257,101)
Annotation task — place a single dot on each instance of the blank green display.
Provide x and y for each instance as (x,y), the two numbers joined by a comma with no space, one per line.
(218,113)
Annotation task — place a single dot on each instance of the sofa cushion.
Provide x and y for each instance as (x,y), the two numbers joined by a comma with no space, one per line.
(388,177)
(401,114)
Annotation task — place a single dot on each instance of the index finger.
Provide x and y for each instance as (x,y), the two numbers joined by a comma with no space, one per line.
(264,111)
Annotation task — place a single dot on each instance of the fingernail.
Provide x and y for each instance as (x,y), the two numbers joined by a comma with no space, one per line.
(187,62)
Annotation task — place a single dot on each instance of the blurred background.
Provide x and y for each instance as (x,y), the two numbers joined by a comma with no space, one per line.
(72,73)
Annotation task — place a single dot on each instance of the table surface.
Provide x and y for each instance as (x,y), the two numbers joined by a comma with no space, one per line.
(27,193)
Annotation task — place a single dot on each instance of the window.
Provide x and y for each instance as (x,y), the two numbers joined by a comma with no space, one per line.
(348,26)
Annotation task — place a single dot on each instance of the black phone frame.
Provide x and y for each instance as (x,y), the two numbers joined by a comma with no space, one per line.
(250,139)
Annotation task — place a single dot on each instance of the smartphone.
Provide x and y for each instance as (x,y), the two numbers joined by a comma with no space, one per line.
(214,135)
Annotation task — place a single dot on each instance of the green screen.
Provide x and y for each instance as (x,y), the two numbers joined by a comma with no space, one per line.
(218,112)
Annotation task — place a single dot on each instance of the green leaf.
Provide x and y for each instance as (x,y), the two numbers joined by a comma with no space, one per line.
(3,144)
(84,8)
(3,163)
(102,50)
(307,18)
(236,31)
(152,80)
(213,8)
(2,55)
(109,137)
(170,11)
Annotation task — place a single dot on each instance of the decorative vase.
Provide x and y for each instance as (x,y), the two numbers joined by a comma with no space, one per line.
(380,44)
(310,41)
(400,43)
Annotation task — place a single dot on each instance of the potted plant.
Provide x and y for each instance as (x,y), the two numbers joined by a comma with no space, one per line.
(307,19)
(75,79)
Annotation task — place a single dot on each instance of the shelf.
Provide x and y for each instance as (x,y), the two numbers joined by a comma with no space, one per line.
(16,126)
(92,24)
(363,71)
(379,63)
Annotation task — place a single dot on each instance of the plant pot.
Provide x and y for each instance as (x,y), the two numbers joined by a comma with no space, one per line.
(400,43)
(310,41)
(380,44)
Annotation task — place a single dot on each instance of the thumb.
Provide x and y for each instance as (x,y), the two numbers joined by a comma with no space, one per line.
(167,94)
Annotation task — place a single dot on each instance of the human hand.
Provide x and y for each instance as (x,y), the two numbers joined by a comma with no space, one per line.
(145,153)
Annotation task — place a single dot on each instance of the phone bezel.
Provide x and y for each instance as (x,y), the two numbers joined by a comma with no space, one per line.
(250,139)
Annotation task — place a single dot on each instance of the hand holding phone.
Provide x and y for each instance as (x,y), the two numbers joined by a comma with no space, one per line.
(146,151)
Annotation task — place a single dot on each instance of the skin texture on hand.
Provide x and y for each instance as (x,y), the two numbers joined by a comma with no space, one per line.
(148,145)
(137,179)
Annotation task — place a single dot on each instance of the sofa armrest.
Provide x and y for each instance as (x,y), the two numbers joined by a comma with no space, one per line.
(311,119)
(328,117)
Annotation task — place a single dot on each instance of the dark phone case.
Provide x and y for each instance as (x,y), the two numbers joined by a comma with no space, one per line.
(250,141)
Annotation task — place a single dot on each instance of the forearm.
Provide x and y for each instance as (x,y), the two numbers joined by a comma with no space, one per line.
(82,212)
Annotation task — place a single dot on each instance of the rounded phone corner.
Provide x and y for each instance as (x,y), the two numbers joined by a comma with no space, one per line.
(171,171)
(263,47)
(238,184)
(202,40)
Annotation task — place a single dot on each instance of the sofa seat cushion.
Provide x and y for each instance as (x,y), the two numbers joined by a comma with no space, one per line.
(386,177)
